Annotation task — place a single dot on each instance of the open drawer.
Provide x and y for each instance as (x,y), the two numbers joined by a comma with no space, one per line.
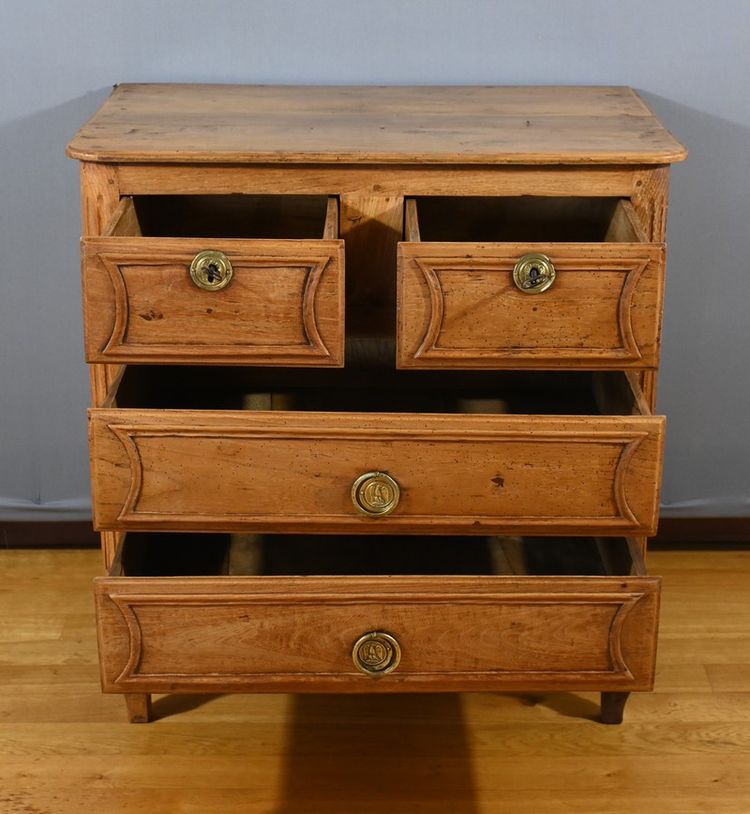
(527,282)
(216,279)
(183,612)
(224,449)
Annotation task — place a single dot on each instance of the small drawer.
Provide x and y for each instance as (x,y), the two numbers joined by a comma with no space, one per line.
(527,282)
(235,279)
(245,449)
(185,612)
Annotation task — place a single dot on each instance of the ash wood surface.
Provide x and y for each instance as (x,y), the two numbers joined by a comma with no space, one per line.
(287,471)
(64,746)
(459,307)
(100,199)
(283,306)
(370,147)
(363,124)
(456,633)
(371,226)
(377,179)
(139,707)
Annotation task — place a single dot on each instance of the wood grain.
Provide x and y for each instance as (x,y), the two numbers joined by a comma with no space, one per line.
(378,179)
(371,225)
(124,222)
(288,471)
(459,307)
(284,305)
(361,124)
(100,198)
(296,634)
(650,201)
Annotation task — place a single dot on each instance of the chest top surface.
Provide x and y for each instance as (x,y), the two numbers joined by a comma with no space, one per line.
(189,123)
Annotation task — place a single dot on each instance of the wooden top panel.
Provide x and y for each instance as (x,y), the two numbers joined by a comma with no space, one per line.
(182,123)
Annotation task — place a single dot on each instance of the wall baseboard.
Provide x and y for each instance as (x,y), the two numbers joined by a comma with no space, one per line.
(694,532)
(48,534)
(673,532)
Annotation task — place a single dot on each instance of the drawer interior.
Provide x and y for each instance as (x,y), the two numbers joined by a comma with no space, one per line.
(522,219)
(226,216)
(154,554)
(373,389)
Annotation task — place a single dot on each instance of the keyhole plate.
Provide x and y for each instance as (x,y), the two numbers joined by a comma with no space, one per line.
(376,653)
(534,273)
(375,494)
(211,270)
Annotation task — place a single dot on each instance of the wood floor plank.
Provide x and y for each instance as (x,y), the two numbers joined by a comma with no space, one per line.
(106,738)
(35,627)
(401,764)
(240,801)
(729,677)
(682,678)
(683,748)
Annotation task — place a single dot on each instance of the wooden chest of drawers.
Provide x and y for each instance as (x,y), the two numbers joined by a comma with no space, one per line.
(373,376)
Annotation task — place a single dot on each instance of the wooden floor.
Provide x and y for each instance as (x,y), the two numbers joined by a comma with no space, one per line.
(66,748)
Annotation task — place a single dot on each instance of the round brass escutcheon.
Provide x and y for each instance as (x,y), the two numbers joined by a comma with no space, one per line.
(376,653)
(211,270)
(534,273)
(375,494)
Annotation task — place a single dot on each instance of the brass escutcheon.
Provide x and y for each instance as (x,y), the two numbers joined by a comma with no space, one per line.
(211,270)
(376,653)
(375,494)
(534,273)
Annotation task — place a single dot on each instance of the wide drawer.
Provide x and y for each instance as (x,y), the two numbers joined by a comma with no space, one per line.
(216,279)
(527,282)
(588,621)
(319,465)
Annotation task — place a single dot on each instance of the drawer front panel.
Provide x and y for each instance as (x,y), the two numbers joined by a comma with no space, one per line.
(276,471)
(459,306)
(453,632)
(284,304)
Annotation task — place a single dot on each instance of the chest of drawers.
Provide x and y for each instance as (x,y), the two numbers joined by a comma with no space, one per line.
(372,386)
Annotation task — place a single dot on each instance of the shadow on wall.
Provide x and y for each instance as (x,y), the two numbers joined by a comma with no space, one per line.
(704,386)
(45,387)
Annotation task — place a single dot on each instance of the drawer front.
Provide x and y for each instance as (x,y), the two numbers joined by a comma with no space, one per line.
(284,304)
(280,471)
(459,306)
(452,633)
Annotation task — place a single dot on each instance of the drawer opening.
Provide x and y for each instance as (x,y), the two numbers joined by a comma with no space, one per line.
(522,219)
(236,449)
(153,554)
(223,279)
(364,390)
(226,216)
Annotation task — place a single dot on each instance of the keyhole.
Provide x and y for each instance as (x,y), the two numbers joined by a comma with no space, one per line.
(533,273)
(536,277)
(212,273)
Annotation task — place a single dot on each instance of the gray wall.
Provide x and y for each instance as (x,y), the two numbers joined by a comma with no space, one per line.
(690,60)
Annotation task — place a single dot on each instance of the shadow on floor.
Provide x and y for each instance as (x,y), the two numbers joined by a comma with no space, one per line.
(168,705)
(363,752)
(565,704)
